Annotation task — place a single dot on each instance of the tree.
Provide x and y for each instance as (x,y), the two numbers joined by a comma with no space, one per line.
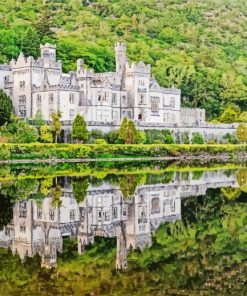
(141,137)
(79,129)
(243,117)
(44,24)
(123,129)
(80,186)
(230,114)
(197,138)
(56,125)
(30,43)
(241,133)
(21,132)
(6,108)
(128,131)
(45,134)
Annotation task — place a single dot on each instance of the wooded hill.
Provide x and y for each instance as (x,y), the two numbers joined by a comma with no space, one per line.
(198,46)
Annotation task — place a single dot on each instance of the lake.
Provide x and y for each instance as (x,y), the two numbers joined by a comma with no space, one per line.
(123,229)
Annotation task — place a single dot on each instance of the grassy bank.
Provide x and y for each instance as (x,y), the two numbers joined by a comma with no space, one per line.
(92,151)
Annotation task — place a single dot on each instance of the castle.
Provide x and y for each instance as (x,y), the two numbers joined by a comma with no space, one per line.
(104,212)
(39,87)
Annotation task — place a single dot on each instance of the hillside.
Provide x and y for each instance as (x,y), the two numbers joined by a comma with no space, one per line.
(199,46)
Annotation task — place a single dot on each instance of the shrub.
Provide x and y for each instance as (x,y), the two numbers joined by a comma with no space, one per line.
(100,141)
(185,138)
(197,138)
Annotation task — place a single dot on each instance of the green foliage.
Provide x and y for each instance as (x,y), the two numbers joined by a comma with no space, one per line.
(141,137)
(189,44)
(18,131)
(6,108)
(230,138)
(197,138)
(241,133)
(243,117)
(80,186)
(100,141)
(230,114)
(30,43)
(79,129)
(128,131)
(45,134)
(56,125)
(185,138)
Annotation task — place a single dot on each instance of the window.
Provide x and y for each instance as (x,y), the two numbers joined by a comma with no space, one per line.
(99,215)
(172,205)
(124,99)
(115,115)
(105,97)
(114,99)
(38,99)
(51,215)
(172,118)
(72,214)
(142,99)
(39,214)
(72,113)
(22,84)
(22,106)
(167,117)
(106,215)
(154,104)
(172,102)
(22,100)
(51,98)
(71,98)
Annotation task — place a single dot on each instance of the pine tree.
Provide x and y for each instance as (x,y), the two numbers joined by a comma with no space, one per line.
(123,132)
(79,129)
(44,24)
(6,108)
(132,133)
(30,43)
(56,125)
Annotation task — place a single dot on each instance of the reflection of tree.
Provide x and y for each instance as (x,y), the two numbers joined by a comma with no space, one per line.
(242,179)
(128,185)
(231,193)
(22,189)
(80,186)
(6,210)
(45,186)
(56,193)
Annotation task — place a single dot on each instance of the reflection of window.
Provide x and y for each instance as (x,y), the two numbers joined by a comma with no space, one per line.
(155,205)
(114,212)
(72,214)
(39,213)
(114,99)
(106,215)
(172,205)
(51,215)
(23,209)
(22,227)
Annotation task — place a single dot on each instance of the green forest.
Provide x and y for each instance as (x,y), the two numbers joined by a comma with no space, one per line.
(197,45)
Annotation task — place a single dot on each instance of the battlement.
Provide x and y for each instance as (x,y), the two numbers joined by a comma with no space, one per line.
(138,68)
(120,47)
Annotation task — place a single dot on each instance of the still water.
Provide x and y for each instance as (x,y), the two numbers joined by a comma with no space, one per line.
(126,229)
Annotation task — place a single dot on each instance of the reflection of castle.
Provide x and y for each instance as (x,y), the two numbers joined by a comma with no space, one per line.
(40,229)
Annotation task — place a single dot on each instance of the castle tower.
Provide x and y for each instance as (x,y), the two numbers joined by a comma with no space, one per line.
(120,55)
(121,259)
(48,54)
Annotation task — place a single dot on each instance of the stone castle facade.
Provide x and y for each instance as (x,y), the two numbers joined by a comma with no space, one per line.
(39,87)
(104,212)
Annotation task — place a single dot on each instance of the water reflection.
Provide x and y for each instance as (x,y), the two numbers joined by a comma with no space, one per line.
(123,207)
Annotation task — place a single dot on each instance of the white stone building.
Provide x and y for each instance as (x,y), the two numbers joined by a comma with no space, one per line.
(39,87)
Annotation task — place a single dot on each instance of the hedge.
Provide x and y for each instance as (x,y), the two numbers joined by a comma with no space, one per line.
(78,151)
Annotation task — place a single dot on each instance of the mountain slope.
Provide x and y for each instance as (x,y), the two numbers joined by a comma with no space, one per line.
(199,46)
